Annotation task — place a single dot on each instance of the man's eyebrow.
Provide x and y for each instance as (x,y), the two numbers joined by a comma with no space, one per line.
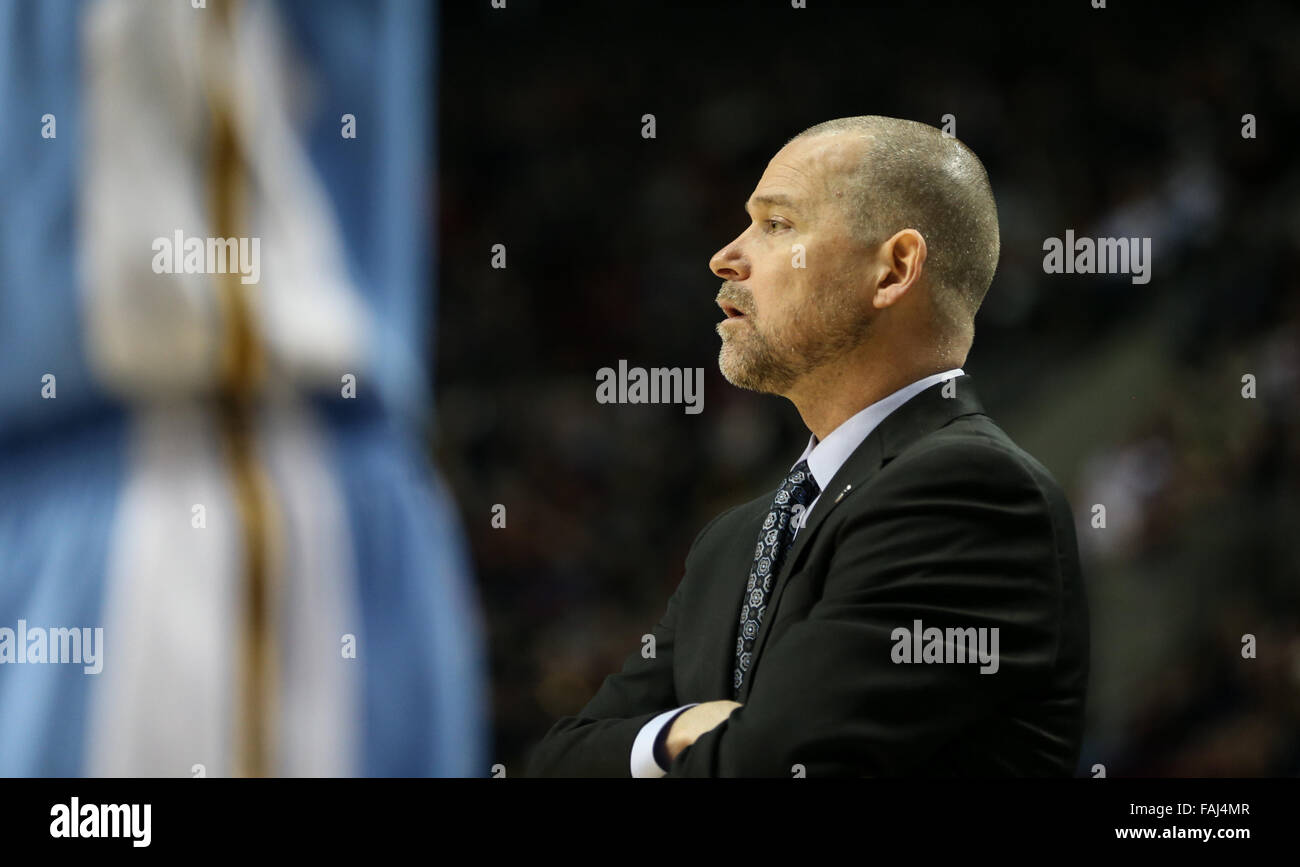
(773,199)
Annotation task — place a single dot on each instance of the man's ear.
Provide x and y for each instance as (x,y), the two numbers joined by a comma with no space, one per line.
(903,258)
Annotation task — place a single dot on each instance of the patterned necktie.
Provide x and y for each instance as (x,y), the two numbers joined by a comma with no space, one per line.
(798,489)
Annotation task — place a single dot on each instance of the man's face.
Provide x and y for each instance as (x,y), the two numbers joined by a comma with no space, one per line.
(785,322)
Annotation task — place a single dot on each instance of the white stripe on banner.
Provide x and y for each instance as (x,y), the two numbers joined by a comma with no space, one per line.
(164,701)
(166,698)
(321,699)
(148,335)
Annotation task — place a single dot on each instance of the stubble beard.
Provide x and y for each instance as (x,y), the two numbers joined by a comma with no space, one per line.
(819,332)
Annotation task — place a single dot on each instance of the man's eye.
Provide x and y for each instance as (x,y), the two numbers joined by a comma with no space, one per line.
(774,225)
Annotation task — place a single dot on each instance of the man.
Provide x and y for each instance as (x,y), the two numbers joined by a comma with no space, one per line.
(909,600)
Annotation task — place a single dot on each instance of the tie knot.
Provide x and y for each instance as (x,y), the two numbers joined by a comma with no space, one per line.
(799,487)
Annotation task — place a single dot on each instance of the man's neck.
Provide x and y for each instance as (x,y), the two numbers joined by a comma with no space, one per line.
(828,397)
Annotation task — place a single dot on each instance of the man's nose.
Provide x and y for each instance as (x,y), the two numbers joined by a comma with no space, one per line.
(729,263)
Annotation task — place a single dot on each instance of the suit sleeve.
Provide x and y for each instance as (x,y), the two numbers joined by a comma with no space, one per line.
(957,536)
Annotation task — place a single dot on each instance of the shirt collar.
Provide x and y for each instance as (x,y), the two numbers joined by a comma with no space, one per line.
(826,457)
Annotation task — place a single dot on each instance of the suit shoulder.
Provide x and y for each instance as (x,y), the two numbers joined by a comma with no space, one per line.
(975,447)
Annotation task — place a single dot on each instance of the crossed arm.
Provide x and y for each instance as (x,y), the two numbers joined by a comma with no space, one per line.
(954,537)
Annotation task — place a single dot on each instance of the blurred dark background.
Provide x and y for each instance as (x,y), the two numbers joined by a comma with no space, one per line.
(1124,121)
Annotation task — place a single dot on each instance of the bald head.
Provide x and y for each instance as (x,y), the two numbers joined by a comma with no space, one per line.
(901,174)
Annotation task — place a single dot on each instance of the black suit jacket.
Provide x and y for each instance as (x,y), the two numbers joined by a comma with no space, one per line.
(937,516)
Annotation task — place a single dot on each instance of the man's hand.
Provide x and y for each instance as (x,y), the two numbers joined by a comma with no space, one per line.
(694,722)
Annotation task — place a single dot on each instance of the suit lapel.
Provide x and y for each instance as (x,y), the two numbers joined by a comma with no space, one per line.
(923,414)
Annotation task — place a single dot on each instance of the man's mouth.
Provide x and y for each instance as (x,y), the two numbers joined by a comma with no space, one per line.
(732,311)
